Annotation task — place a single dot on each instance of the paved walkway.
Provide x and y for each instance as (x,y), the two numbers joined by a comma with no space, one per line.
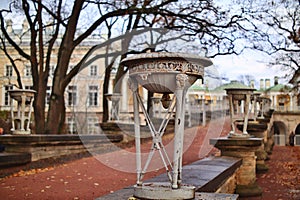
(93,177)
(282,181)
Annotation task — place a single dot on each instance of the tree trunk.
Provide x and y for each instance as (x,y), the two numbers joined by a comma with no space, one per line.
(56,113)
(39,109)
(105,91)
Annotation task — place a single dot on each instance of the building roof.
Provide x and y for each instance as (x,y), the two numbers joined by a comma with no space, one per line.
(233,84)
(278,88)
(197,87)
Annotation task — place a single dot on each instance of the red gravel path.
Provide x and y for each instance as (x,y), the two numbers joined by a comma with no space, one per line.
(282,181)
(88,178)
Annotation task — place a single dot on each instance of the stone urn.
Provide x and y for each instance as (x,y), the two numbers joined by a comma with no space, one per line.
(236,96)
(163,73)
(21,119)
(157,71)
(115,107)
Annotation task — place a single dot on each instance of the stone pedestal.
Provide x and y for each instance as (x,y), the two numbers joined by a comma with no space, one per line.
(22,118)
(246,174)
(163,73)
(115,101)
(258,130)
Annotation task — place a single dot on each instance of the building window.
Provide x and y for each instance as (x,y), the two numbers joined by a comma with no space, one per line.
(27,72)
(72,95)
(93,95)
(51,71)
(71,125)
(70,68)
(6,95)
(93,70)
(28,87)
(48,94)
(92,125)
(9,71)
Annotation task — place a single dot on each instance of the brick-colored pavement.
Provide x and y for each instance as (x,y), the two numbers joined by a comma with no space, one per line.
(88,178)
(282,181)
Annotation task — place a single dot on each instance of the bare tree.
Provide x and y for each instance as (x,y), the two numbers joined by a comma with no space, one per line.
(275,30)
(202,22)
(246,79)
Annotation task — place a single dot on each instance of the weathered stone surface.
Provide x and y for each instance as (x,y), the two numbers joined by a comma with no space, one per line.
(46,146)
(229,186)
(215,196)
(249,190)
(244,149)
(163,191)
(11,159)
(126,194)
(261,168)
(261,154)
(253,127)
(207,175)
(236,144)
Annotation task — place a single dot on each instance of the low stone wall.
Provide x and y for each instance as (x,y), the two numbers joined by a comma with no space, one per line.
(243,148)
(53,146)
(213,178)
(229,186)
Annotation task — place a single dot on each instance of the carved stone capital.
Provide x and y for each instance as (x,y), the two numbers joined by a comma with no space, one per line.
(133,84)
(181,80)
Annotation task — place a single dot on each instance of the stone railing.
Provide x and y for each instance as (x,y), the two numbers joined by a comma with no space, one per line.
(213,178)
(53,146)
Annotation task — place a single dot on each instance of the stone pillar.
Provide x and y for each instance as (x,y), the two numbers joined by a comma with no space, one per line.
(259,130)
(274,102)
(203,110)
(124,100)
(156,107)
(244,149)
(291,102)
(115,107)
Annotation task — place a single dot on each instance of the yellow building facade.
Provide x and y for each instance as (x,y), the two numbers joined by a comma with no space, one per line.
(83,96)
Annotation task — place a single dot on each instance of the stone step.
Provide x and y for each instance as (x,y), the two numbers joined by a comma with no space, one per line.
(8,159)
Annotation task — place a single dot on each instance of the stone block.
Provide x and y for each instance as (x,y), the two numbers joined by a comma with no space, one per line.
(249,190)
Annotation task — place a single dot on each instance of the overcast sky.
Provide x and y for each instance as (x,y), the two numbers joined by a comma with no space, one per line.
(232,66)
(250,63)
(4,4)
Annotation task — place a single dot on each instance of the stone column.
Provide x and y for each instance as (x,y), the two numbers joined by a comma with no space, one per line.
(203,110)
(291,102)
(274,102)
(124,100)
(260,130)
(181,82)
(244,149)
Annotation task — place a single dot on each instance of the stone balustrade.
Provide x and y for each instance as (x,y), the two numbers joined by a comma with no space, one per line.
(245,149)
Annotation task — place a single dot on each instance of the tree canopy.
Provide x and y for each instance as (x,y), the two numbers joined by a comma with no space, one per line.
(211,28)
